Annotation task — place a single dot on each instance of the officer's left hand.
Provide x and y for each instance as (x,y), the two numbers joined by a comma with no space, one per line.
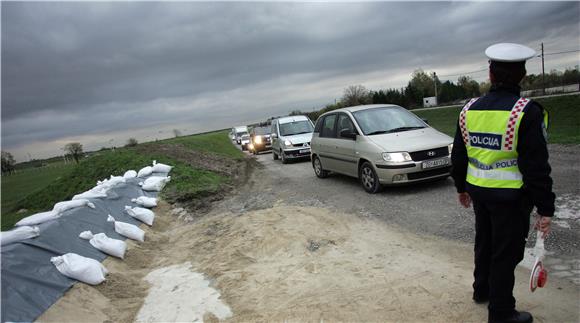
(464,199)
(543,224)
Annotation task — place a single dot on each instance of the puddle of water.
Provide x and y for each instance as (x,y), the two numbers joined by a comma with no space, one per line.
(178,294)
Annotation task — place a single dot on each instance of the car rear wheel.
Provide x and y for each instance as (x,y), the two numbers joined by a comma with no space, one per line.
(283,157)
(368,178)
(318,170)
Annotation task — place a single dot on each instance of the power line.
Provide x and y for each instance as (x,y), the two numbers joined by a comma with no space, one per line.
(465,73)
(564,52)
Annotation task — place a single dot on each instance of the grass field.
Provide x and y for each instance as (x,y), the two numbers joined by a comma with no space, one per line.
(19,185)
(564,118)
(51,187)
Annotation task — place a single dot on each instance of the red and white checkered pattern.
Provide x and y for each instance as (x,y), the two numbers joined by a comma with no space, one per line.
(463,121)
(516,113)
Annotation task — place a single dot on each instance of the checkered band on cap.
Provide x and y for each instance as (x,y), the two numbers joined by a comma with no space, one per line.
(516,113)
(463,121)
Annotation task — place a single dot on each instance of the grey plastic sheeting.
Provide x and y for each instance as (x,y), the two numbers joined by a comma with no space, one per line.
(30,282)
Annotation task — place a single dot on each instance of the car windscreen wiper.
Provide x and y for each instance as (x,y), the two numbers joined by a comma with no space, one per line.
(377,132)
(405,129)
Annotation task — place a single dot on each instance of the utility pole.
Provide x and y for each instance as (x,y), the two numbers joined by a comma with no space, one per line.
(543,73)
(435,82)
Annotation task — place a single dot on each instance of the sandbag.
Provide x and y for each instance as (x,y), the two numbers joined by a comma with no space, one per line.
(161,168)
(81,268)
(130,174)
(155,183)
(128,230)
(18,234)
(38,218)
(145,171)
(113,247)
(94,193)
(60,207)
(145,201)
(144,215)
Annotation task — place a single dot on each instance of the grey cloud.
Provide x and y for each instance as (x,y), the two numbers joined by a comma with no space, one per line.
(112,62)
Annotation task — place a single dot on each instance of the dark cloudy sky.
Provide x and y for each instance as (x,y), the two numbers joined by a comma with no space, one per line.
(102,72)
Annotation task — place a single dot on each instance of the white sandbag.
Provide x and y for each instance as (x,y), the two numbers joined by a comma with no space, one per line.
(155,183)
(38,218)
(145,171)
(95,193)
(130,174)
(161,168)
(144,215)
(81,268)
(113,247)
(145,201)
(128,230)
(18,234)
(60,207)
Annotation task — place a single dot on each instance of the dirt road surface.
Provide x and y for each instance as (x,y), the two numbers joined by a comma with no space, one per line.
(290,246)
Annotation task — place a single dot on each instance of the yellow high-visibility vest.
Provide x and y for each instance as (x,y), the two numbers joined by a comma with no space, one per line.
(491,139)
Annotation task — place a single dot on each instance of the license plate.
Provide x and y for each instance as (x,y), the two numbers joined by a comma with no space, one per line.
(435,163)
(304,151)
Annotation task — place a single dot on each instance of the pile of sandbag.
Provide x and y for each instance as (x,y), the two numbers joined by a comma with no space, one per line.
(85,269)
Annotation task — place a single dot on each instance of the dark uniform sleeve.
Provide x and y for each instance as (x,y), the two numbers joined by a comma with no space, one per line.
(459,161)
(533,160)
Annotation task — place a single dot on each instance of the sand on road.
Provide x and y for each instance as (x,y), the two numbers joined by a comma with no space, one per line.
(300,264)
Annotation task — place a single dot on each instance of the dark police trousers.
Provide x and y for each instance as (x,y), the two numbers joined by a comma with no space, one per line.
(501,230)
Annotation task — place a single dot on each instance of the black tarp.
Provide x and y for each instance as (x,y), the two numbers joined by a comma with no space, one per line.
(30,282)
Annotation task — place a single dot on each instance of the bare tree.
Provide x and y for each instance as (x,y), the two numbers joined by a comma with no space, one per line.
(7,162)
(177,133)
(132,142)
(75,149)
(355,95)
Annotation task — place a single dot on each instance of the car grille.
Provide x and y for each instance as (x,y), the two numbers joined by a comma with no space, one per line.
(306,144)
(424,154)
(429,173)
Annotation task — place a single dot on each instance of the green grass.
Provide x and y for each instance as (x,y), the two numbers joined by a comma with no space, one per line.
(186,182)
(23,183)
(214,142)
(564,118)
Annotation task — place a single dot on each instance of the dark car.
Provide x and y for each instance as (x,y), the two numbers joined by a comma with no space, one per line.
(260,140)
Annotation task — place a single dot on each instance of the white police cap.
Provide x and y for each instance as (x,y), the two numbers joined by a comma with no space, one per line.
(509,52)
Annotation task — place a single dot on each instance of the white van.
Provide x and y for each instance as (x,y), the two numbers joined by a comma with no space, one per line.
(239,132)
(291,138)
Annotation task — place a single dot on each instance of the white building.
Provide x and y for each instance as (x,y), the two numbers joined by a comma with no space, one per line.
(430,101)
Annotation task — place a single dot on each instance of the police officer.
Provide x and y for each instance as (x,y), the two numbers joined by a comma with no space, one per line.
(500,163)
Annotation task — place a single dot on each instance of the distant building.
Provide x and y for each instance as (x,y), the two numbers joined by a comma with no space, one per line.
(429,102)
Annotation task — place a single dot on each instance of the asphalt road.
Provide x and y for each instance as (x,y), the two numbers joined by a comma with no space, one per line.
(429,208)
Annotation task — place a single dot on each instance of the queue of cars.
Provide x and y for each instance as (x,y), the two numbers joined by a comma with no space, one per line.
(378,144)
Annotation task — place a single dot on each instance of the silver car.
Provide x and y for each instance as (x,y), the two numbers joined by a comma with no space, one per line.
(380,145)
(291,138)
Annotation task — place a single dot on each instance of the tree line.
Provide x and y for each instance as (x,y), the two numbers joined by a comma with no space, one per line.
(424,85)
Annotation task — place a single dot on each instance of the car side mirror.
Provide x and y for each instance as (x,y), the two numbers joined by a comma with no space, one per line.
(273,135)
(347,133)
(425,120)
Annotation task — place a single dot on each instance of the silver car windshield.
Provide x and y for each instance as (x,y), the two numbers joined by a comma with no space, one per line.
(295,128)
(377,121)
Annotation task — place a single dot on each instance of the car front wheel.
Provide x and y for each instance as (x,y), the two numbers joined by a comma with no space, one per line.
(318,170)
(283,157)
(368,178)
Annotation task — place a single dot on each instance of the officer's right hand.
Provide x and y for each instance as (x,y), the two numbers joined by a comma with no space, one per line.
(543,224)
(464,199)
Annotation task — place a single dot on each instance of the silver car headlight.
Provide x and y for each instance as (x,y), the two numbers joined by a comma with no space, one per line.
(396,158)
(287,143)
(450,147)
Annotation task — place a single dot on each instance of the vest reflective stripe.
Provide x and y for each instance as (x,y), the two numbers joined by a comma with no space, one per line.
(462,120)
(494,174)
(505,163)
(515,114)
